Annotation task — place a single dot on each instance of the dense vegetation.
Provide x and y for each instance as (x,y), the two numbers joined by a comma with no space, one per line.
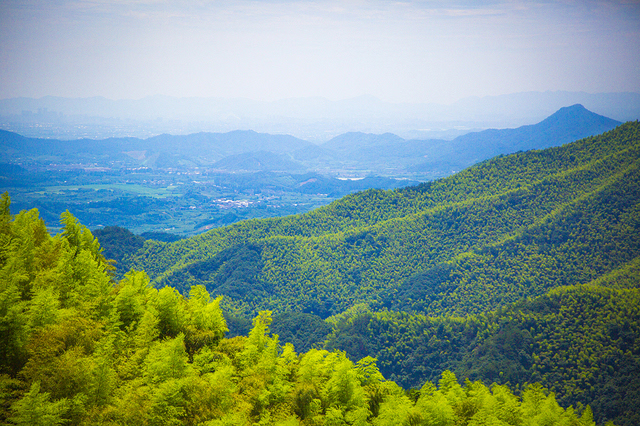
(508,228)
(77,350)
(582,342)
(522,269)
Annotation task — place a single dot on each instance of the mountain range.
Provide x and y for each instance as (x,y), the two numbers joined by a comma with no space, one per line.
(521,270)
(522,267)
(312,119)
(354,154)
(392,246)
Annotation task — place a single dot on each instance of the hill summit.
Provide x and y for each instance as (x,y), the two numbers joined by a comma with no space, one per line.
(565,125)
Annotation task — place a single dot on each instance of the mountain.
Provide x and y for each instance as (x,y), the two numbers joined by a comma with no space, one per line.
(353,154)
(258,161)
(565,125)
(197,149)
(231,143)
(377,151)
(537,105)
(316,154)
(427,248)
(356,141)
(314,119)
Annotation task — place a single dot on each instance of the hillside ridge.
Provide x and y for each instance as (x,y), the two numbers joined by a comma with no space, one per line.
(353,153)
(350,251)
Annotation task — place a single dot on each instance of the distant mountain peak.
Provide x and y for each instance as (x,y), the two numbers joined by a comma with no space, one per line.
(573,108)
(567,124)
(578,113)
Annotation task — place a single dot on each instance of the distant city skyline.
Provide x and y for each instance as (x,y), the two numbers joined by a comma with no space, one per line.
(404,51)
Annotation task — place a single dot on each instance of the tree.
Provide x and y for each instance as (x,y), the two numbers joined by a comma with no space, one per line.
(37,409)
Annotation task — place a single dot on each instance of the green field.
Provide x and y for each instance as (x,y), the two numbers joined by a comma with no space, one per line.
(134,189)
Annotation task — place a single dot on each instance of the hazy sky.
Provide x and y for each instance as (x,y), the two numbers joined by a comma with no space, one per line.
(398,51)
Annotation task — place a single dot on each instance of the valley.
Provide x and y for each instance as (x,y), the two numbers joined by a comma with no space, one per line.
(520,270)
(183,203)
(187,184)
(319,213)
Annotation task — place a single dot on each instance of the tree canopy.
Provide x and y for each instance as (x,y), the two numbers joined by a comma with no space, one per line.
(79,348)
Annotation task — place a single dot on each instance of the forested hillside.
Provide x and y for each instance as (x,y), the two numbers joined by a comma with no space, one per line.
(78,349)
(505,229)
(582,342)
(522,269)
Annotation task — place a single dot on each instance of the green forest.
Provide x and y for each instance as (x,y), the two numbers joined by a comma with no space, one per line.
(506,229)
(77,349)
(505,294)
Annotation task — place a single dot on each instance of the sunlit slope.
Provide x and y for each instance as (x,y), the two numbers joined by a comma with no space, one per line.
(582,342)
(507,228)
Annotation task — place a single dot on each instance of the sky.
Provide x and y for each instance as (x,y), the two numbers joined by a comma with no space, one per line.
(398,51)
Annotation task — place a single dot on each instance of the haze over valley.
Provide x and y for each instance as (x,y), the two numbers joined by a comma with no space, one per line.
(186,184)
(313,119)
(320,212)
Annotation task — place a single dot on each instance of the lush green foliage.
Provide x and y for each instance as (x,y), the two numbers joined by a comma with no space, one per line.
(521,269)
(304,331)
(508,228)
(118,243)
(447,253)
(79,350)
(582,342)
